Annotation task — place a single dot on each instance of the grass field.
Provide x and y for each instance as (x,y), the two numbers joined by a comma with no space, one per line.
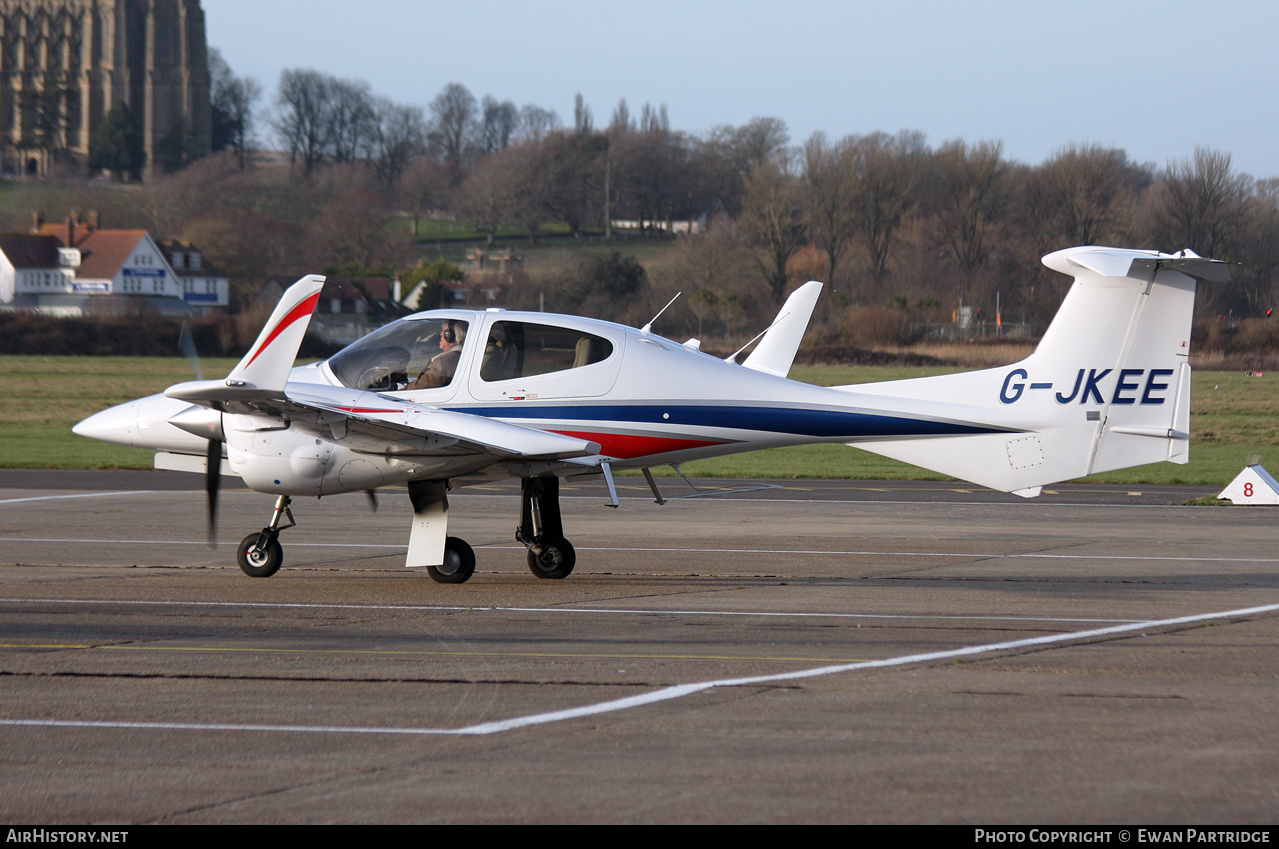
(1234,418)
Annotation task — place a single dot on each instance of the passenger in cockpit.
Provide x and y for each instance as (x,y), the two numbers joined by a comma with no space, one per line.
(443,365)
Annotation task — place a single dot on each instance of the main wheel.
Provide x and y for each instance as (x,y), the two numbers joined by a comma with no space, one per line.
(458,565)
(556,560)
(259,564)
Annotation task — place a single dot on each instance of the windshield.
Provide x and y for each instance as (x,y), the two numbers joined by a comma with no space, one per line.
(407,354)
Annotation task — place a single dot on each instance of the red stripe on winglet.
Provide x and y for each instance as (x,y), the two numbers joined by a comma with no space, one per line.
(625,446)
(302,310)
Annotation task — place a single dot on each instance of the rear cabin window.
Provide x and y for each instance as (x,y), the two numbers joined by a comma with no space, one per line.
(524,349)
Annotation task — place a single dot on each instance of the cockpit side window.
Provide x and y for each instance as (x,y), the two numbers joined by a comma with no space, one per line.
(419,354)
(524,349)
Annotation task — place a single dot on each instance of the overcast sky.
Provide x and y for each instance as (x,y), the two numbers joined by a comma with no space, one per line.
(1154,78)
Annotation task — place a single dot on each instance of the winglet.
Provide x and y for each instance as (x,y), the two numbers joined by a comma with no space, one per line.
(269,361)
(776,351)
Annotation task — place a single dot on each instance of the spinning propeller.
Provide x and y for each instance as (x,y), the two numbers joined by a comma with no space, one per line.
(213,454)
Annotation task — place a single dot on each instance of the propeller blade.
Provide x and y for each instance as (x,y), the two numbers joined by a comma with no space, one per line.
(186,343)
(372,494)
(213,480)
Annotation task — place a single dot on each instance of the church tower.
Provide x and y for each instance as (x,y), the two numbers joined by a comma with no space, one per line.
(64,64)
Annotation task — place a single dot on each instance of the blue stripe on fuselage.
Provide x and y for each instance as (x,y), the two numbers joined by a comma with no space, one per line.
(788,420)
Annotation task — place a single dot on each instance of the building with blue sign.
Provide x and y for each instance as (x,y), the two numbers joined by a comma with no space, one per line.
(73,269)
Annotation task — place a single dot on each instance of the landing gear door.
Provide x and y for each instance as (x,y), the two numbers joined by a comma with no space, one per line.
(535,360)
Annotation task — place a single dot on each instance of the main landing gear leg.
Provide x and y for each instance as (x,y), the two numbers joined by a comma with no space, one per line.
(448,560)
(541,531)
(259,554)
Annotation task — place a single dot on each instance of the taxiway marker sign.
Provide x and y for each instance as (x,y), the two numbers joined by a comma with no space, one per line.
(1254,485)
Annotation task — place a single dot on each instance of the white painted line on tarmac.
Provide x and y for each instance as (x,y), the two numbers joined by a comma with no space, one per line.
(188,542)
(664,694)
(77,495)
(620,611)
(195,726)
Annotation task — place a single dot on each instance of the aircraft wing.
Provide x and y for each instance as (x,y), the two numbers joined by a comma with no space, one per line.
(371,423)
(379,424)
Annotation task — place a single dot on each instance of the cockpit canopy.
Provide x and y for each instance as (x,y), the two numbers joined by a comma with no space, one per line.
(393,356)
(421,353)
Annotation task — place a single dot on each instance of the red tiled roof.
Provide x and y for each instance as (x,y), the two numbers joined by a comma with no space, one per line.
(103,252)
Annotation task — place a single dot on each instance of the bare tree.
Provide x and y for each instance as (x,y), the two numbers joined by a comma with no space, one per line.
(582,119)
(968,194)
(498,124)
(1257,277)
(649,171)
(1200,205)
(758,141)
(353,119)
(713,269)
(488,196)
(351,228)
(232,102)
(453,124)
(303,121)
(772,216)
(654,120)
(621,119)
(1082,192)
(422,187)
(888,171)
(729,154)
(398,135)
(535,122)
(829,183)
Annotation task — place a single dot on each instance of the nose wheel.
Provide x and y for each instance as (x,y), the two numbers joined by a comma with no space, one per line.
(259,554)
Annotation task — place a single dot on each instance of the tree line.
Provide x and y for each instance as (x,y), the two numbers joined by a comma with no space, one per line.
(888,220)
(890,215)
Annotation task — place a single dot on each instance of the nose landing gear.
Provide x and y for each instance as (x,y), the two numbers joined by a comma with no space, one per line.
(259,554)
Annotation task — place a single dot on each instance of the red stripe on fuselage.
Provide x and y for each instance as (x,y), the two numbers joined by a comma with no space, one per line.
(625,446)
(302,310)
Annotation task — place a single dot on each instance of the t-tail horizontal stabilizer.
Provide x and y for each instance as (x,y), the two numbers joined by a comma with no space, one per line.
(1108,387)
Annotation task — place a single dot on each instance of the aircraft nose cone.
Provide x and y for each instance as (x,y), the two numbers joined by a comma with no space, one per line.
(117,424)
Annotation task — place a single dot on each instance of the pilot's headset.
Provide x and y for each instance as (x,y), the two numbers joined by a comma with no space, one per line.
(452,333)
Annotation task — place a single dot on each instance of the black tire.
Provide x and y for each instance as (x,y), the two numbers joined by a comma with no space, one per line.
(259,565)
(458,565)
(556,560)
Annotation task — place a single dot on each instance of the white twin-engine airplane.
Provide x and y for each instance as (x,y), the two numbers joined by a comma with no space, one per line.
(453,397)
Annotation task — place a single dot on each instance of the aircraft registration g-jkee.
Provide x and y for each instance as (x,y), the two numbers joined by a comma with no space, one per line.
(453,397)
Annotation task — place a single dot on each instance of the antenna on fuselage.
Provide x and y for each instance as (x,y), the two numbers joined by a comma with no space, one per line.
(733,357)
(646,329)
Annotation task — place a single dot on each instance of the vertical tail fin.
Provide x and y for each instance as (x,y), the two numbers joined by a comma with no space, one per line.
(1108,386)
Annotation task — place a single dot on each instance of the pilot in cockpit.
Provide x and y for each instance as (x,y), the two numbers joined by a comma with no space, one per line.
(444,364)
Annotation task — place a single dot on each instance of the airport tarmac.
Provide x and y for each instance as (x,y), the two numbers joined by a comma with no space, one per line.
(757,651)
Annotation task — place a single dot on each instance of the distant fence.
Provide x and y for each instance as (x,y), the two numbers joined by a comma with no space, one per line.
(951,332)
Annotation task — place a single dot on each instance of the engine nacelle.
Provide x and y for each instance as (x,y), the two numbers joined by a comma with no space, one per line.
(274,458)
